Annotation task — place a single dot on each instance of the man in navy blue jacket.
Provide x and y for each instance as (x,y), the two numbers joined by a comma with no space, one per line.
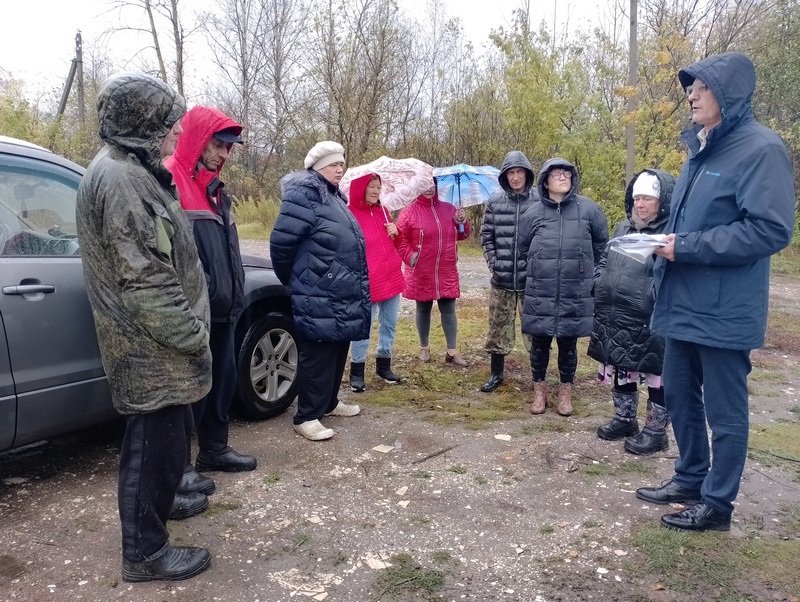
(732,208)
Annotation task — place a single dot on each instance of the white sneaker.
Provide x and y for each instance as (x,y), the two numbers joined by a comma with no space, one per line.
(313,430)
(345,409)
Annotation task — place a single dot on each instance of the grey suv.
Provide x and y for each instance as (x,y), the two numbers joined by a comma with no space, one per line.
(51,376)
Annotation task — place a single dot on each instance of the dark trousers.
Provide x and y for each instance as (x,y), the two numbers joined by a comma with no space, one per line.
(567,357)
(708,383)
(150,467)
(212,413)
(319,374)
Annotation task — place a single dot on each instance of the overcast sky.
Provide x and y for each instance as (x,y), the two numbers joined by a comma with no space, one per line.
(38,41)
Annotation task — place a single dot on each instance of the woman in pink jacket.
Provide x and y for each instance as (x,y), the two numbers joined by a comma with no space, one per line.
(385,278)
(429,230)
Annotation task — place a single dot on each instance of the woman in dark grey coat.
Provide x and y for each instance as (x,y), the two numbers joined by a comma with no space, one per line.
(621,341)
(564,235)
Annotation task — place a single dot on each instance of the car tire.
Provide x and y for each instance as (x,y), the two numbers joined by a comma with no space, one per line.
(266,366)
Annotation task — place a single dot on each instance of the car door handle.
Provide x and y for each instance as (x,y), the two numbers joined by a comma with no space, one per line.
(29,289)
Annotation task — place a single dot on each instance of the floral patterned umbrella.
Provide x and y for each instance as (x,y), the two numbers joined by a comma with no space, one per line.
(402,180)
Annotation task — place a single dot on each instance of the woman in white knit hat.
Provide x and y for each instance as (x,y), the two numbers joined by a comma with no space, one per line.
(318,251)
(629,354)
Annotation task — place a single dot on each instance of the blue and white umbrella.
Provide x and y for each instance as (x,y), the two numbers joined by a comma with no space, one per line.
(465,185)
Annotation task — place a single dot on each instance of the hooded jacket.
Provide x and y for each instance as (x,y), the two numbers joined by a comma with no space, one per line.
(208,207)
(428,227)
(143,276)
(383,262)
(732,208)
(500,226)
(563,243)
(624,298)
(318,251)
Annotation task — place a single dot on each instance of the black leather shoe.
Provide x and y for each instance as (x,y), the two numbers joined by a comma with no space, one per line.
(225,460)
(175,564)
(194,482)
(700,517)
(669,493)
(184,506)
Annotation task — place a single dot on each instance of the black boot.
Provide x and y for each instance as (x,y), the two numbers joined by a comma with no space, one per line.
(194,482)
(357,377)
(172,563)
(653,438)
(624,422)
(184,506)
(216,454)
(496,377)
(383,368)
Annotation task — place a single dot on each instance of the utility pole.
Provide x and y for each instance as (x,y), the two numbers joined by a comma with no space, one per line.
(633,81)
(75,68)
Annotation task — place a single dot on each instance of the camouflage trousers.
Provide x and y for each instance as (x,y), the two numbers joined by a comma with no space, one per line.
(503,309)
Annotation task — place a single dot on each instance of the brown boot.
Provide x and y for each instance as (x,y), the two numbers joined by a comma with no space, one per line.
(539,398)
(565,399)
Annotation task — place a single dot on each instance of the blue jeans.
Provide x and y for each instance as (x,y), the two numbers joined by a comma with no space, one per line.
(708,383)
(387,322)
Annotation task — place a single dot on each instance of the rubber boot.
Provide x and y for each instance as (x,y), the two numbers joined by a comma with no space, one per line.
(216,455)
(653,437)
(357,377)
(496,377)
(383,368)
(565,399)
(623,424)
(539,397)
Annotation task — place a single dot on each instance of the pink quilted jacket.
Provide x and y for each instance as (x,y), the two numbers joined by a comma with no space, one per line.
(427,226)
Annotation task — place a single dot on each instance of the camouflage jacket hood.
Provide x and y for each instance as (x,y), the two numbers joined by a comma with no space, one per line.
(135,113)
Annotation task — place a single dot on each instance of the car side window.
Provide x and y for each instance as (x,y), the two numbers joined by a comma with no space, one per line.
(37,209)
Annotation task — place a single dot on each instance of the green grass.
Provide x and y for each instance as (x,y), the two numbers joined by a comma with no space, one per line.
(547,529)
(216,509)
(272,478)
(458,469)
(405,578)
(627,467)
(715,566)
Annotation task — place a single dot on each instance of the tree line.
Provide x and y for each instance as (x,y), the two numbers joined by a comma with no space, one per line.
(382,81)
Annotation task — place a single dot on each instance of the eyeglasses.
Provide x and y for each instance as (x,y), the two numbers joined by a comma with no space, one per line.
(561,174)
(699,88)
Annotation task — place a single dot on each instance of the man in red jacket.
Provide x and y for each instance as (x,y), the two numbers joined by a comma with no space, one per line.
(208,137)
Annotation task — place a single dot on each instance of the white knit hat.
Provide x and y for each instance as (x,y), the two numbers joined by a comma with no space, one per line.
(323,154)
(647,184)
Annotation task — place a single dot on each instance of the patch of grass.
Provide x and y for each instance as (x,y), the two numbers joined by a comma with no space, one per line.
(405,578)
(636,467)
(300,540)
(795,409)
(272,478)
(481,480)
(389,474)
(216,509)
(547,529)
(715,566)
(442,557)
(458,469)
(768,376)
(783,332)
(599,470)
(775,444)
(422,474)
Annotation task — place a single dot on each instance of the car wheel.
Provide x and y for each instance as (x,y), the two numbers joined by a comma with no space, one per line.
(267,367)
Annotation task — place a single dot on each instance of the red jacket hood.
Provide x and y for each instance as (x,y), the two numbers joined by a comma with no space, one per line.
(199,125)
(358,190)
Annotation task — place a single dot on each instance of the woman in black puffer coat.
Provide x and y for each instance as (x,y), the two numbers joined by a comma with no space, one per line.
(621,340)
(564,235)
(318,251)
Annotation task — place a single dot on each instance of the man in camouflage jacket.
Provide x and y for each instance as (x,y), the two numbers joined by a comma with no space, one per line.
(150,306)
